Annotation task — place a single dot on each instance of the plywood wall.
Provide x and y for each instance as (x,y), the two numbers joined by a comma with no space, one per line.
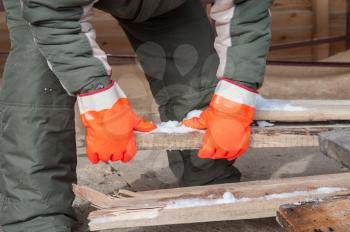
(293,20)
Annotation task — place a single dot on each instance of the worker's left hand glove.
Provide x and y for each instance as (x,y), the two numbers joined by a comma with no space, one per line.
(227,121)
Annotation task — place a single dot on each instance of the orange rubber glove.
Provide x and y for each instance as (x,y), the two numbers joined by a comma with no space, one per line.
(110,125)
(227,121)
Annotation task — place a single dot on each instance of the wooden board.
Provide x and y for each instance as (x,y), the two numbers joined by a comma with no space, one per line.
(331,214)
(302,111)
(149,208)
(278,136)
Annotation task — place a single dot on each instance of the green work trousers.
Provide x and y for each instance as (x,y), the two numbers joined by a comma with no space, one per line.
(37,138)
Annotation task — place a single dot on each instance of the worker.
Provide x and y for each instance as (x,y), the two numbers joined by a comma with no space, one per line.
(55,60)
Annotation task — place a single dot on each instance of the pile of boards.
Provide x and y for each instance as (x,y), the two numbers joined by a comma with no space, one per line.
(257,199)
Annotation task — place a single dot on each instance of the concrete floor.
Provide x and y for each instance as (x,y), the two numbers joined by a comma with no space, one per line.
(258,164)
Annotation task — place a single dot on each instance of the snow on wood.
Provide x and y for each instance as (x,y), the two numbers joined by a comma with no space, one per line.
(247,200)
(263,104)
(229,198)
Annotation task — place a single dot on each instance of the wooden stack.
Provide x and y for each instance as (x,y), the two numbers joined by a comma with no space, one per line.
(257,199)
(262,199)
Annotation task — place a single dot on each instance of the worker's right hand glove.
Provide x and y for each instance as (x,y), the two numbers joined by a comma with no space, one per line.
(227,121)
(110,125)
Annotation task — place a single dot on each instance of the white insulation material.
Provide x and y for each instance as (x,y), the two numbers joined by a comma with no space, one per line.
(229,198)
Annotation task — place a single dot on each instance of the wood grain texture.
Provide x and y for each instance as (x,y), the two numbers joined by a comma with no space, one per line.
(331,214)
(148,208)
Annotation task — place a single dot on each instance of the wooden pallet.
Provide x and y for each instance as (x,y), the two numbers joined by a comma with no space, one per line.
(151,208)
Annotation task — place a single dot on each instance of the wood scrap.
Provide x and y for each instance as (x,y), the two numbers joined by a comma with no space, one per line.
(262,199)
(330,214)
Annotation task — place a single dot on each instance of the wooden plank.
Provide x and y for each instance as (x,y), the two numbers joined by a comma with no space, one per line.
(331,214)
(278,136)
(152,208)
(321,27)
(335,144)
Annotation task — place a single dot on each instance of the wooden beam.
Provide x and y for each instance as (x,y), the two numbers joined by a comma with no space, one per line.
(331,214)
(277,136)
(301,111)
(152,208)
